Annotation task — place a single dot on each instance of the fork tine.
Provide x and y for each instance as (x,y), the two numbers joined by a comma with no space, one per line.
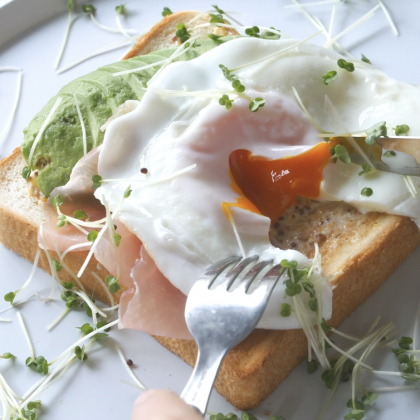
(250,277)
(270,279)
(235,271)
(216,269)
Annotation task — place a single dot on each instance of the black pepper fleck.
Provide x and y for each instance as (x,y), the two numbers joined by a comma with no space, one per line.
(130,362)
(144,170)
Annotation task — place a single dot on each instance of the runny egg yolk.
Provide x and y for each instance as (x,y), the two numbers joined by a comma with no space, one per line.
(271,186)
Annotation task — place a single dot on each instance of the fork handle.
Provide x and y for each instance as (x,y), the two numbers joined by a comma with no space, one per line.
(197,391)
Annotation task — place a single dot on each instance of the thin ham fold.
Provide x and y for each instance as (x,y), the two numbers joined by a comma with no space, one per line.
(150,303)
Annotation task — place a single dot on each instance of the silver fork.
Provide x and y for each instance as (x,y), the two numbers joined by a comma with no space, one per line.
(218,319)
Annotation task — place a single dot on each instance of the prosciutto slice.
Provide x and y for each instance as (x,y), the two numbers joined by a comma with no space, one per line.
(78,195)
(151,303)
(154,305)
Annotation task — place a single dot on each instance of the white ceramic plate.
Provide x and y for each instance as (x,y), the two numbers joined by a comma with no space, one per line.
(30,36)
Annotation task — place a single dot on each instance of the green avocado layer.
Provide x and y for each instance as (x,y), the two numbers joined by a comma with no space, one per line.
(99,94)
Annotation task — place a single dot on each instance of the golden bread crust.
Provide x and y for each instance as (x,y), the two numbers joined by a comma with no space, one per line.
(162,35)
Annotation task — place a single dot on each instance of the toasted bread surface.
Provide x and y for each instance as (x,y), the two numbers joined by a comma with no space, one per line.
(162,35)
(358,251)
(20,218)
(252,370)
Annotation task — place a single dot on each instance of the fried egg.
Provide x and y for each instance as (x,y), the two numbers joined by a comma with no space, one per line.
(208,189)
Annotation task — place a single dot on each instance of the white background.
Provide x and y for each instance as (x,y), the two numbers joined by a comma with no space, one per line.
(94,389)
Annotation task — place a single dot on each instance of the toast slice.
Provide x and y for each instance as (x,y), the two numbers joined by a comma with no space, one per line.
(358,251)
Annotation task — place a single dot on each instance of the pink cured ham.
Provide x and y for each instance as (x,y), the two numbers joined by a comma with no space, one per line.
(152,304)
(77,195)
(155,305)
(128,253)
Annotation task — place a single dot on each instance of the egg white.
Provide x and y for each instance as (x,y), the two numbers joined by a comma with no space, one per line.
(179,218)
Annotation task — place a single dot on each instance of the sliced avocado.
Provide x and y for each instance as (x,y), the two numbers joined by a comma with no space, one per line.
(99,94)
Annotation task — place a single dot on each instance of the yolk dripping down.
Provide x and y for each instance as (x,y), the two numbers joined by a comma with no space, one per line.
(271,186)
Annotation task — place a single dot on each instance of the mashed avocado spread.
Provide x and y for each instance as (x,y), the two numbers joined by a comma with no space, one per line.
(99,95)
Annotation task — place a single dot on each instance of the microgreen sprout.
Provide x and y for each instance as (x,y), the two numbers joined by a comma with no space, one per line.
(256,104)
(366,192)
(166,11)
(329,77)
(80,353)
(247,416)
(390,153)
(216,18)
(39,364)
(343,64)
(227,73)
(112,284)
(120,9)
(215,38)
(375,132)
(86,328)
(329,378)
(80,214)
(31,412)
(97,180)
(68,285)
(254,31)
(365,59)
(26,172)
(402,130)
(62,220)
(218,9)
(285,310)
(57,201)
(340,152)
(182,32)
(70,5)
(88,9)
(357,408)
(271,35)
(347,370)
(127,192)
(221,416)
(295,275)
(117,239)
(238,86)
(292,289)
(8,356)
(57,265)
(325,327)
(311,366)
(10,297)
(313,304)
(366,169)
(93,234)
(405,343)
(226,101)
